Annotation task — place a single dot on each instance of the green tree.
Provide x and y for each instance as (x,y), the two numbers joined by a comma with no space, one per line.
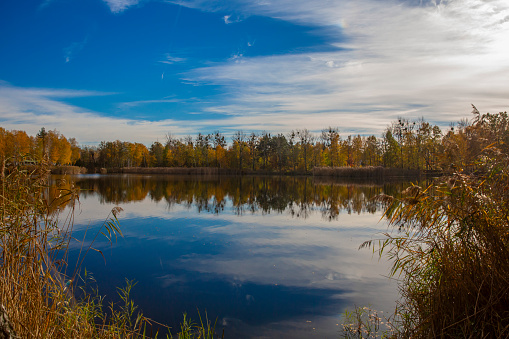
(157,155)
(391,149)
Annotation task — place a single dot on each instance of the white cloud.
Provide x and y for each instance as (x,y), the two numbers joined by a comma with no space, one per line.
(397,59)
(429,60)
(237,58)
(230,19)
(73,49)
(170,59)
(117,6)
(29,109)
(129,104)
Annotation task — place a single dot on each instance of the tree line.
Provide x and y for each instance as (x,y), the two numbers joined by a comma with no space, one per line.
(299,196)
(18,146)
(404,144)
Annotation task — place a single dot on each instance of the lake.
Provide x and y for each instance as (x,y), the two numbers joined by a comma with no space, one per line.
(268,257)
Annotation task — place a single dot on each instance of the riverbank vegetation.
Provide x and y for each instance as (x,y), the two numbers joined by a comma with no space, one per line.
(450,244)
(367,172)
(38,299)
(410,145)
(34,291)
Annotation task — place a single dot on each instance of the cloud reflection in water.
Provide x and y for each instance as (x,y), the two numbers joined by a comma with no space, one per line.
(260,271)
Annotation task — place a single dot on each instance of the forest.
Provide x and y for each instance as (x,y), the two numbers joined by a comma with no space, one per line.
(404,144)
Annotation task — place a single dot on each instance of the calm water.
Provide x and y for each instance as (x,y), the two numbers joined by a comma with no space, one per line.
(268,257)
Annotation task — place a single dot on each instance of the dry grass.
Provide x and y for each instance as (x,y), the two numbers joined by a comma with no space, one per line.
(68,170)
(37,297)
(452,253)
(368,172)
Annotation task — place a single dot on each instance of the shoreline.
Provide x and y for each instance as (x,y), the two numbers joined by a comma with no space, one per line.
(367,172)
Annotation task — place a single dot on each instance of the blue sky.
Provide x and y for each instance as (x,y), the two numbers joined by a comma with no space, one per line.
(138,70)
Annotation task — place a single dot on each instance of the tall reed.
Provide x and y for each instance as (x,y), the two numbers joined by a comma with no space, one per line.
(368,172)
(450,250)
(35,294)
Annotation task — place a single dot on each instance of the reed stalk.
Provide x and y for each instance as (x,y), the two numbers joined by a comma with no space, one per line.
(450,251)
(36,295)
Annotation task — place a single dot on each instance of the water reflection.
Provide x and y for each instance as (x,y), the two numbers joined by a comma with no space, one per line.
(297,195)
(269,256)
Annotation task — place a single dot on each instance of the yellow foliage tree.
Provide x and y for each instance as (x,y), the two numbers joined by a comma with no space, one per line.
(64,150)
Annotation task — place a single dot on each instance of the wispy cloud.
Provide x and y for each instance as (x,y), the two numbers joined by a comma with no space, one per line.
(230,19)
(73,49)
(136,103)
(399,58)
(170,59)
(29,109)
(226,19)
(45,4)
(118,6)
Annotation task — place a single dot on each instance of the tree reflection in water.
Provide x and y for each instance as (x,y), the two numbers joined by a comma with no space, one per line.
(298,196)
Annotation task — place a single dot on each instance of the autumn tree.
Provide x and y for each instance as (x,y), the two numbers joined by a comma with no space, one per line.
(202,149)
(156,153)
(42,137)
(264,148)
(113,153)
(331,139)
(238,138)
(219,142)
(3,144)
(293,150)
(88,157)
(59,149)
(253,143)
(280,149)
(371,154)
(306,141)
(75,150)
(390,149)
